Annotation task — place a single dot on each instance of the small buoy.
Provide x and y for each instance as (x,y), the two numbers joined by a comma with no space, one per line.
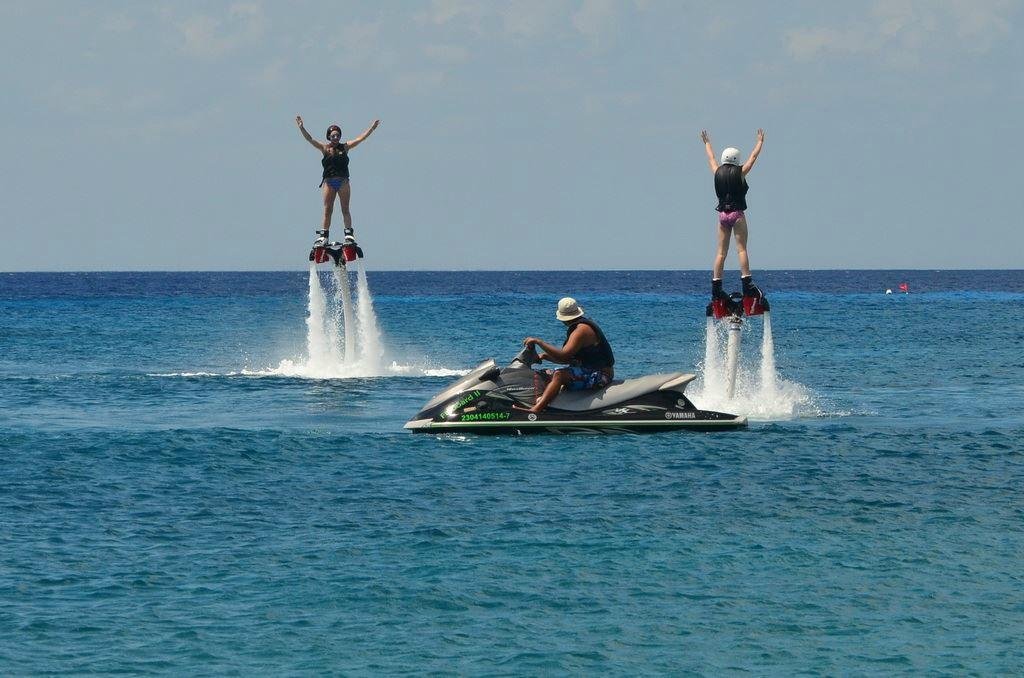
(888,291)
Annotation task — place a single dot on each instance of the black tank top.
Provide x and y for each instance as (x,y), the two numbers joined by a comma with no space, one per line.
(731,188)
(336,164)
(594,357)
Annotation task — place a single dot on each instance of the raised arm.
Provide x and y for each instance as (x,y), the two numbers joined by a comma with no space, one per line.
(710,151)
(316,144)
(749,164)
(349,145)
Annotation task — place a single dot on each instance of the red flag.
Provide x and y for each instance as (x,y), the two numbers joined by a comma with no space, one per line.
(904,287)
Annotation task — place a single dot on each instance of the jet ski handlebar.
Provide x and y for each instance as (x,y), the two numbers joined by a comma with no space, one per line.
(525,358)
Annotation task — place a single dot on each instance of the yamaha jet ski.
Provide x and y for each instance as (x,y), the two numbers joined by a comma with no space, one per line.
(487,400)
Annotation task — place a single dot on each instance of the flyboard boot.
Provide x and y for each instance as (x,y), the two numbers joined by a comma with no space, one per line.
(723,305)
(754,301)
(349,248)
(319,253)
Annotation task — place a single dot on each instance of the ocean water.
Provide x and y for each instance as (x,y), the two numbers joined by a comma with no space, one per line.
(185,491)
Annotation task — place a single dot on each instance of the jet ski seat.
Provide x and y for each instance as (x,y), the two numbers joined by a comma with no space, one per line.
(619,391)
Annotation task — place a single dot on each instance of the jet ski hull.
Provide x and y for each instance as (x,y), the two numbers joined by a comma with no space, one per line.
(491,401)
(553,424)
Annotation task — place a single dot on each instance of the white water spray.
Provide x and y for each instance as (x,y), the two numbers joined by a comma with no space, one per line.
(343,303)
(334,327)
(712,359)
(318,340)
(768,378)
(732,356)
(343,337)
(733,381)
(371,351)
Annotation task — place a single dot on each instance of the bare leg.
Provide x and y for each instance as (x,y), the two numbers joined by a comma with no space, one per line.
(328,194)
(558,379)
(740,232)
(344,197)
(723,249)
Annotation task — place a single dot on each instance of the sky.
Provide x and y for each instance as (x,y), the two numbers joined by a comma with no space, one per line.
(528,134)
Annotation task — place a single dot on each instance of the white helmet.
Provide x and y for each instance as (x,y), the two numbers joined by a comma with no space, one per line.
(731,156)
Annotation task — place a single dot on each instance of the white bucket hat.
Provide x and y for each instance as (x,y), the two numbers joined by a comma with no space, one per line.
(568,309)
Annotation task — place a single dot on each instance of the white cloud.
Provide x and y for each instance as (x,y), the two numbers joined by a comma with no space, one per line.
(77,98)
(179,125)
(118,23)
(595,19)
(902,31)
(272,73)
(807,43)
(982,24)
(605,103)
(418,82)
(446,53)
(207,36)
(80,99)
(531,18)
(468,12)
(360,43)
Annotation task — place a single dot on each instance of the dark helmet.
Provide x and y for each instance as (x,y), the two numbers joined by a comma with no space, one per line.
(331,129)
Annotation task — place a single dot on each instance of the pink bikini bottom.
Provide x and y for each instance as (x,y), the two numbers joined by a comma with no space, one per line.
(729,219)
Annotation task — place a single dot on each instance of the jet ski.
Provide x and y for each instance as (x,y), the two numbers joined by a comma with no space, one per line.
(340,253)
(487,400)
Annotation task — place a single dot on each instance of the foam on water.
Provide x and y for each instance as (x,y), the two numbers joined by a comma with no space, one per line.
(341,370)
(417,370)
(731,380)
(343,339)
(299,369)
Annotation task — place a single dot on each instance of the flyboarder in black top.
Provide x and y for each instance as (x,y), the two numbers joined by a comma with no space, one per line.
(335,182)
(731,189)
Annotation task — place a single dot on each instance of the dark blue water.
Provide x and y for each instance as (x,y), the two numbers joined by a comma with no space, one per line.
(170,504)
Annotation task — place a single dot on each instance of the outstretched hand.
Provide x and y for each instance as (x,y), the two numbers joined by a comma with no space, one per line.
(705,137)
(298,121)
(760,135)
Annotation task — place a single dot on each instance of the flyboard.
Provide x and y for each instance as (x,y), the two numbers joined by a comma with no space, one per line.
(732,309)
(341,253)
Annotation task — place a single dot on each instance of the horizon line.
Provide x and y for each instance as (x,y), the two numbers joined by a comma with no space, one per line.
(514,270)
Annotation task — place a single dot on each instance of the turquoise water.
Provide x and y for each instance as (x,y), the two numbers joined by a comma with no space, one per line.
(173,502)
